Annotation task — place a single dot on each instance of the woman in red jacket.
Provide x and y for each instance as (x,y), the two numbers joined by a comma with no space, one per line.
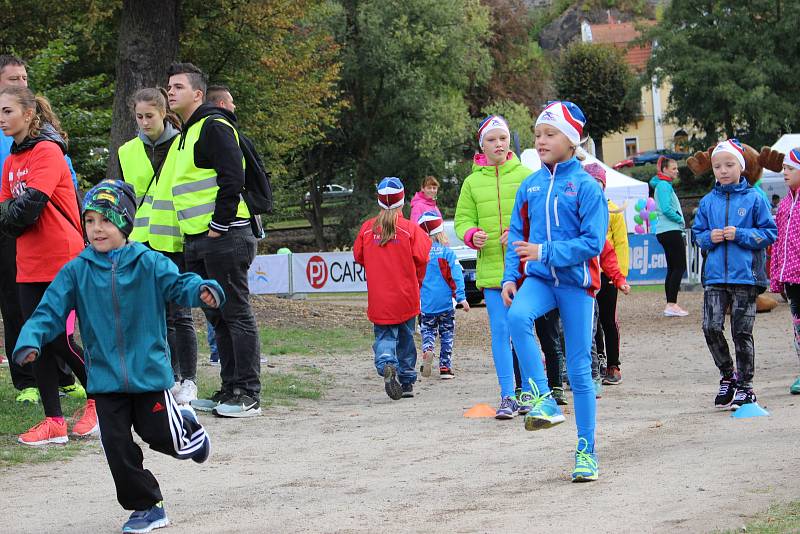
(39,206)
(394,253)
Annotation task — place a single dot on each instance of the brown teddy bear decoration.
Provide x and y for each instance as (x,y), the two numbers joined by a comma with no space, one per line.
(755,162)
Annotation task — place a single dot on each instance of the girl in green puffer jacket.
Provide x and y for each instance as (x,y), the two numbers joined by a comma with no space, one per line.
(483,214)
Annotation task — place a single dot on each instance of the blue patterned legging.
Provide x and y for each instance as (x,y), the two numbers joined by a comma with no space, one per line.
(445,324)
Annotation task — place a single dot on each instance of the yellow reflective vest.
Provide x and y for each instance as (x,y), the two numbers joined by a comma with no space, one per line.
(194,190)
(156,222)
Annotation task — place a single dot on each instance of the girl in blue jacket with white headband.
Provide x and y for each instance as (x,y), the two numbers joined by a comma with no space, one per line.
(557,231)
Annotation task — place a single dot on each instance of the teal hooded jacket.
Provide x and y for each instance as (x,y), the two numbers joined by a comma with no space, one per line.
(121,301)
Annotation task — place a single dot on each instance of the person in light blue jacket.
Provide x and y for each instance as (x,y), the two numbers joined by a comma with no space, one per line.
(120,292)
(735,226)
(558,229)
(443,283)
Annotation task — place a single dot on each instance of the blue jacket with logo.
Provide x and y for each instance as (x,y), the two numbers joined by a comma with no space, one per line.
(120,300)
(567,213)
(741,261)
(444,281)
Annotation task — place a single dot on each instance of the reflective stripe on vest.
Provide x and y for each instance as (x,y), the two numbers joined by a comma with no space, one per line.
(164,232)
(194,190)
(156,222)
(137,171)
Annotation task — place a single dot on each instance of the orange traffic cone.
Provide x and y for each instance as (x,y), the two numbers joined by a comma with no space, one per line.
(480,410)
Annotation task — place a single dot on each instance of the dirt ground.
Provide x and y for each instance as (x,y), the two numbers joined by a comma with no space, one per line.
(358,462)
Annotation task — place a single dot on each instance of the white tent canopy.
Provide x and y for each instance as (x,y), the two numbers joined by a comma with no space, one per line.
(621,189)
(772,182)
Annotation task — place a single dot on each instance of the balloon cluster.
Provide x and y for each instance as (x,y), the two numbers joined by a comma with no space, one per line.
(647,216)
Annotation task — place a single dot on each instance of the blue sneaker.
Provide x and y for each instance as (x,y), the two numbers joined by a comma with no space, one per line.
(586,469)
(147,520)
(202,454)
(544,410)
(508,408)
(525,403)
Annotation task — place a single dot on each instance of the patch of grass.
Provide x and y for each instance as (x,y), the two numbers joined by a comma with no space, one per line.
(16,418)
(779,519)
(277,387)
(648,289)
(310,341)
(303,341)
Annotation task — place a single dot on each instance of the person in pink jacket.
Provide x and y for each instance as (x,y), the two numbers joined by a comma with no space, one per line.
(425,199)
(784,273)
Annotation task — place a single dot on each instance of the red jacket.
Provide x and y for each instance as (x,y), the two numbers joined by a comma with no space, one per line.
(394,271)
(610,265)
(54,239)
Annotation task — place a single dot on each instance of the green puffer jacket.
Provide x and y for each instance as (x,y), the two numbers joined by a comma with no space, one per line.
(485,203)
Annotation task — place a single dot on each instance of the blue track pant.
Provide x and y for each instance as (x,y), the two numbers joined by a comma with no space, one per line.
(501,344)
(535,298)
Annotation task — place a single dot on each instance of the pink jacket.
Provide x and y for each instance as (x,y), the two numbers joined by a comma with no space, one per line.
(785,263)
(420,204)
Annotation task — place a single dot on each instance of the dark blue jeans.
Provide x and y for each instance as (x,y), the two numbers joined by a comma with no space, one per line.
(394,344)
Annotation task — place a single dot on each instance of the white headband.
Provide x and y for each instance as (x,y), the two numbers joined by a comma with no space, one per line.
(731,146)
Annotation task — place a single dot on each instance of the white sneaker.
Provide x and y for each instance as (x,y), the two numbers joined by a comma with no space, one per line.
(175,389)
(188,392)
(672,312)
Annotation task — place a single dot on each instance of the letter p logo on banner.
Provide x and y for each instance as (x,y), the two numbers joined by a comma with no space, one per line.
(317,272)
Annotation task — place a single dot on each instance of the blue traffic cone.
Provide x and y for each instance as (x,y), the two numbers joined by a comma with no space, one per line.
(751,409)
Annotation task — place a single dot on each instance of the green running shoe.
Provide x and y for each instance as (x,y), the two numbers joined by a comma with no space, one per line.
(29,395)
(795,388)
(75,391)
(560,396)
(586,469)
(544,412)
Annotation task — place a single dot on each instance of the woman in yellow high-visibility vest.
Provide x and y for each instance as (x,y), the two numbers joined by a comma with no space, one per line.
(145,163)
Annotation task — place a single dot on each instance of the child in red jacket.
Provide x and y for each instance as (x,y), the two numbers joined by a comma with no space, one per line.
(394,253)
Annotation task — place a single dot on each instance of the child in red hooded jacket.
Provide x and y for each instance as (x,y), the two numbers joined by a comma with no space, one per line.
(394,253)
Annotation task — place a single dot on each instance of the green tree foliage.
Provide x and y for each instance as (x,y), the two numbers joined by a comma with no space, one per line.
(731,67)
(406,67)
(597,79)
(282,67)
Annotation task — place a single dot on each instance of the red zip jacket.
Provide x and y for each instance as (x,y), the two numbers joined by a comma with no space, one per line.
(610,265)
(54,238)
(394,271)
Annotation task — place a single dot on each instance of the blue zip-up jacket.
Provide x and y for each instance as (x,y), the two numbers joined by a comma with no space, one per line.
(120,300)
(444,281)
(741,261)
(566,212)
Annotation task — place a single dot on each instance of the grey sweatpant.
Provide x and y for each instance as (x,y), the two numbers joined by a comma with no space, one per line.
(742,301)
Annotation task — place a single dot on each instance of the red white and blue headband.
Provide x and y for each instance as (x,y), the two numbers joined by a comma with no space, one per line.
(391,193)
(566,117)
(731,146)
(431,222)
(492,122)
(792,159)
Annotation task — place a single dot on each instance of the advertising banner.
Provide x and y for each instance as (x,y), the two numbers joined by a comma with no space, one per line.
(327,272)
(648,263)
(269,275)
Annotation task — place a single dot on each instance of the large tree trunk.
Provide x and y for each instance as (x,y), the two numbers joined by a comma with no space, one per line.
(148,44)
(598,148)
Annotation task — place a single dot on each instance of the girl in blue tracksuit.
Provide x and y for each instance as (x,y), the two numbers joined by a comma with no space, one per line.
(444,281)
(557,231)
(120,292)
(734,225)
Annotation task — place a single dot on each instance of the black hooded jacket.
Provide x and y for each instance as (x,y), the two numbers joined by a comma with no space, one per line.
(217,149)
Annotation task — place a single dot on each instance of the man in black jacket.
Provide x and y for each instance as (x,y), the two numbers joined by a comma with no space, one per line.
(207,194)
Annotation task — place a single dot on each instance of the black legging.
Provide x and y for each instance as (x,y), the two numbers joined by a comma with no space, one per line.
(675,251)
(607,337)
(61,349)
